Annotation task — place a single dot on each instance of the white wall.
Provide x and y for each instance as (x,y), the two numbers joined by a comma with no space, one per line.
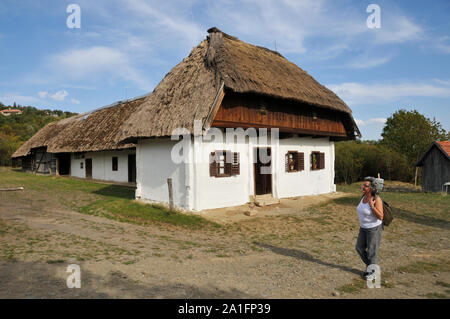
(102,165)
(195,189)
(214,192)
(306,182)
(75,169)
(154,166)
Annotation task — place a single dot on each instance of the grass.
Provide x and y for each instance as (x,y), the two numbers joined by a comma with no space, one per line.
(424,267)
(436,295)
(110,201)
(418,203)
(442,284)
(354,287)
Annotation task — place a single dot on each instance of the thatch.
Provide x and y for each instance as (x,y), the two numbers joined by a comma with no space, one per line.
(92,131)
(187,92)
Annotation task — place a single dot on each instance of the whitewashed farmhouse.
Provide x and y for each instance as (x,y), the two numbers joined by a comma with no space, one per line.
(230,124)
(84,146)
(227,83)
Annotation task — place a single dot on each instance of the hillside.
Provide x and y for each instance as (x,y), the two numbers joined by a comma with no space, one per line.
(15,129)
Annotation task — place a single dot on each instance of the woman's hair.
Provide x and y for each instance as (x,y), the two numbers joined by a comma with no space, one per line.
(376,184)
(369,179)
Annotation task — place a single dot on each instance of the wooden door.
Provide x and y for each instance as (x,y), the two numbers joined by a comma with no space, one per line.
(88,167)
(132,168)
(263,170)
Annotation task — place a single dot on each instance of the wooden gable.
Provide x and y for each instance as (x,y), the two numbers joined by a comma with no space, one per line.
(248,110)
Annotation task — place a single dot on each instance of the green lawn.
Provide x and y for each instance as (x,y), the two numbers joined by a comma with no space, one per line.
(416,206)
(110,201)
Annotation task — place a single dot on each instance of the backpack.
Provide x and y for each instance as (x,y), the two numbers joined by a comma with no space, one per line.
(387,212)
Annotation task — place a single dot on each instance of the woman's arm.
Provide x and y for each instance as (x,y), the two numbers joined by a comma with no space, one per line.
(377,207)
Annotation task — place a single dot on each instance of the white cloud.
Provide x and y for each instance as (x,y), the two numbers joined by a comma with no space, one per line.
(313,27)
(370,121)
(366,62)
(59,96)
(75,101)
(443,44)
(10,98)
(83,64)
(169,18)
(397,29)
(358,93)
(42,94)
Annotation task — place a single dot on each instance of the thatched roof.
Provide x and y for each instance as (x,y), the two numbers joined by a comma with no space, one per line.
(93,131)
(188,91)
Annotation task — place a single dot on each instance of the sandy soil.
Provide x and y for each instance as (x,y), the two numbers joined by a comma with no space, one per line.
(287,250)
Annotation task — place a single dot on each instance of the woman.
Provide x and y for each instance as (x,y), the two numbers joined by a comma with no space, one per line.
(370,213)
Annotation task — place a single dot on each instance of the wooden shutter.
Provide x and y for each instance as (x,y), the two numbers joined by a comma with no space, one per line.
(321,160)
(235,166)
(300,161)
(228,162)
(286,164)
(212,164)
(312,160)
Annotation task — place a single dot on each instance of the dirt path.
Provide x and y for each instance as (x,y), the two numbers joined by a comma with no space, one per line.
(287,250)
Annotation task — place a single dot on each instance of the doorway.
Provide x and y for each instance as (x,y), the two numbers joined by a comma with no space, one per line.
(89,168)
(132,168)
(63,163)
(263,170)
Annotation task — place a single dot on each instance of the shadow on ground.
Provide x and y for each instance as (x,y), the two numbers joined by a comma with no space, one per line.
(118,191)
(307,257)
(40,280)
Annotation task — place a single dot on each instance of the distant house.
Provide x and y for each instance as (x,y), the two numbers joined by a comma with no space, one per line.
(435,163)
(84,146)
(9,112)
(223,84)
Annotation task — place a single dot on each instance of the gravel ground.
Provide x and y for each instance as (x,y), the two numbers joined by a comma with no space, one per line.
(289,250)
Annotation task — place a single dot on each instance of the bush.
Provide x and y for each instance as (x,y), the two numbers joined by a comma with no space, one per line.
(356,160)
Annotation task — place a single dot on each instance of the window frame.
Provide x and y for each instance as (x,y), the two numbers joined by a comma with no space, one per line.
(295,161)
(229,169)
(317,155)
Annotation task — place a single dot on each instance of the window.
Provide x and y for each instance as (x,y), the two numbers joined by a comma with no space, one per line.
(115,163)
(317,160)
(224,164)
(81,165)
(295,161)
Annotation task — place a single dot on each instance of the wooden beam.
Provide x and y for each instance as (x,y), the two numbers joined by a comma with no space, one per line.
(214,107)
(282,129)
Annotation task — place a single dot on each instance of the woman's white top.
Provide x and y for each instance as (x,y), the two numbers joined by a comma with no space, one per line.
(367,218)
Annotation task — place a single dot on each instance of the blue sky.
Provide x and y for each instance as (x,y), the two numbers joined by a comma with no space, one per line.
(125,47)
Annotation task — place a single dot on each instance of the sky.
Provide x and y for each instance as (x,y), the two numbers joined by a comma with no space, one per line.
(123,48)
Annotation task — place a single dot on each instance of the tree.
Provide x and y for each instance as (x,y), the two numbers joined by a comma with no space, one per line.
(411,133)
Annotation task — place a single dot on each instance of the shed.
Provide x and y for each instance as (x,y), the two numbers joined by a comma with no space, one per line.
(435,163)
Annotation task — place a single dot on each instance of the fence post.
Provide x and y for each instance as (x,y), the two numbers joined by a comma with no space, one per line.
(169,184)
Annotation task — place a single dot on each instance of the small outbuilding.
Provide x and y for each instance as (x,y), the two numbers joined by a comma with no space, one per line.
(435,163)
